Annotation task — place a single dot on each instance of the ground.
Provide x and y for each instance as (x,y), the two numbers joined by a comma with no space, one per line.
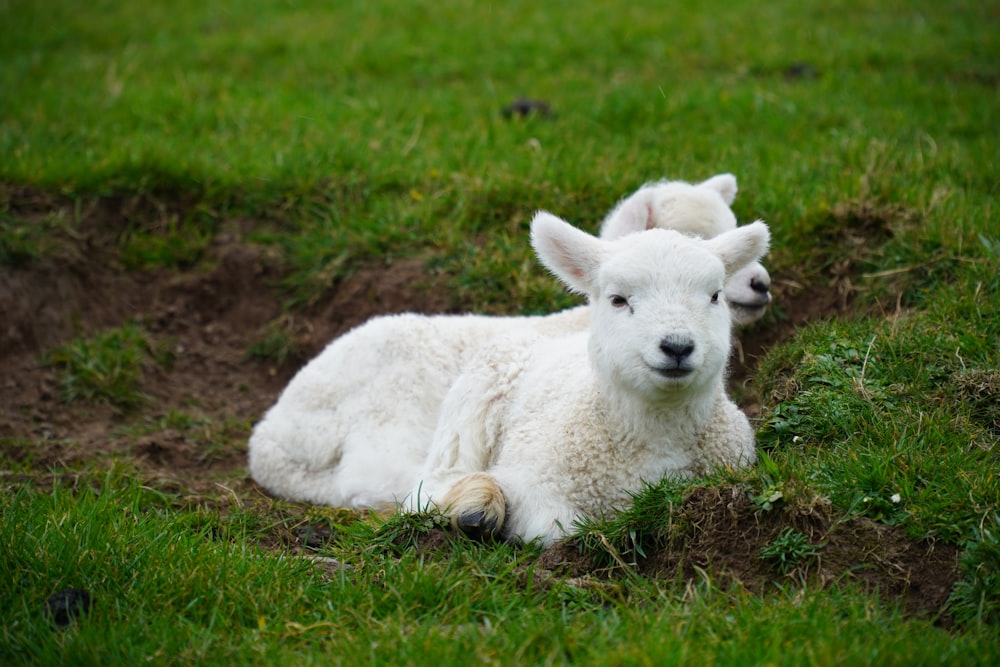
(207,318)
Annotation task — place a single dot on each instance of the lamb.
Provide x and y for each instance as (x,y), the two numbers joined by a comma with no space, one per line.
(354,427)
(538,431)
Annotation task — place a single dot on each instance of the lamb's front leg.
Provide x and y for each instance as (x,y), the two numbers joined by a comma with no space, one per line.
(469,430)
(510,504)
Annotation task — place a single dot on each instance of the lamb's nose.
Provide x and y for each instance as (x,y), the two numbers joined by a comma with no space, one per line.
(677,348)
(760,286)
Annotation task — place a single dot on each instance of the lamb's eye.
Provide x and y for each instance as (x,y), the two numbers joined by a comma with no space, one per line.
(618,301)
(715,298)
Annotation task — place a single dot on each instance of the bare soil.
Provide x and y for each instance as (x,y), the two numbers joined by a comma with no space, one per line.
(209,316)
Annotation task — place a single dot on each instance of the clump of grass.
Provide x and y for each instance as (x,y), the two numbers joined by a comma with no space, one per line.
(402,531)
(770,497)
(835,375)
(25,241)
(977,597)
(106,367)
(648,521)
(790,548)
(979,390)
(19,243)
(178,244)
(276,344)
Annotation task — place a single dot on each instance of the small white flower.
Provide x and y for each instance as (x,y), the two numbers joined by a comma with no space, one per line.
(895,498)
(796,438)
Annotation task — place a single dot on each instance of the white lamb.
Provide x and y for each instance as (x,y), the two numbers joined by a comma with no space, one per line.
(538,431)
(354,427)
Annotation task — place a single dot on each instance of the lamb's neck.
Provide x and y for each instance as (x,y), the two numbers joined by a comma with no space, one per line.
(681,415)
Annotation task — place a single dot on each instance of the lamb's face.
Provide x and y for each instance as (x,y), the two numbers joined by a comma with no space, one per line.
(659,324)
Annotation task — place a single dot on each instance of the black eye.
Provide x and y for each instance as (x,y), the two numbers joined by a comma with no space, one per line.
(715,298)
(619,301)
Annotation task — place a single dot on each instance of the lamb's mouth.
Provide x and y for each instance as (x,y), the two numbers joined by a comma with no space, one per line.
(759,303)
(754,309)
(673,373)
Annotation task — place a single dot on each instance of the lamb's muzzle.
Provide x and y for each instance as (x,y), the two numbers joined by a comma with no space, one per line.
(678,352)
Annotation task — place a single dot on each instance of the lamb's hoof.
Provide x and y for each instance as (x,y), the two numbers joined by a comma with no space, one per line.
(477,526)
(476,506)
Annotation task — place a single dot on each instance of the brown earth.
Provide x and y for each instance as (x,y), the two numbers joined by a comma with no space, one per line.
(207,318)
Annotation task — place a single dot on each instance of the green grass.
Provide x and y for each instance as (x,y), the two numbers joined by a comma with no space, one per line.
(178,585)
(382,132)
(863,132)
(789,549)
(976,599)
(105,367)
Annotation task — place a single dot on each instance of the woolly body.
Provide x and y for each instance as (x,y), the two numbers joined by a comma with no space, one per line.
(353,427)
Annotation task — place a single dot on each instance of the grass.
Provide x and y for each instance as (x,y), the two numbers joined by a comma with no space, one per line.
(259,109)
(146,558)
(863,132)
(106,366)
(975,598)
(789,549)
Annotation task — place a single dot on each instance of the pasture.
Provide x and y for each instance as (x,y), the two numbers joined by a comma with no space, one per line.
(195,197)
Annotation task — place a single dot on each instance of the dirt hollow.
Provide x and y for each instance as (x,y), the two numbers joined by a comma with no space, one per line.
(205,320)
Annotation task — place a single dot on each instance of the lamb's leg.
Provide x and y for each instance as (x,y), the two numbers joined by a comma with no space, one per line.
(453,477)
(476,506)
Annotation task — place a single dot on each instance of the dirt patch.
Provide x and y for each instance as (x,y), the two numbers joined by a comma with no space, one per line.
(190,436)
(721,532)
(726,534)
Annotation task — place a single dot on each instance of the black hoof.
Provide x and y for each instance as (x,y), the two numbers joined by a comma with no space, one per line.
(476,526)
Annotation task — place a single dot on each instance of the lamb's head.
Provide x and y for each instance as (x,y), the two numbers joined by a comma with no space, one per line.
(659,322)
(701,209)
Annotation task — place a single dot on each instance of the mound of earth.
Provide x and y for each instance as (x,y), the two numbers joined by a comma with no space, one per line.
(723,533)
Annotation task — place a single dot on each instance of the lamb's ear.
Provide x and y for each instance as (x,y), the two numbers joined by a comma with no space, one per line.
(741,246)
(574,256)
(633,214)
(724,184)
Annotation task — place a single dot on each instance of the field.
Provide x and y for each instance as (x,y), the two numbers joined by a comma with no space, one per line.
(195,197)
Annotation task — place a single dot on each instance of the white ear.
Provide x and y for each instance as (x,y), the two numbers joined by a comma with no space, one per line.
(572,255)
(633,214)
(741,246)
(724,184)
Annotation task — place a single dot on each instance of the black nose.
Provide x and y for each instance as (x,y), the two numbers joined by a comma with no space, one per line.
(760,286)
(677,348)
